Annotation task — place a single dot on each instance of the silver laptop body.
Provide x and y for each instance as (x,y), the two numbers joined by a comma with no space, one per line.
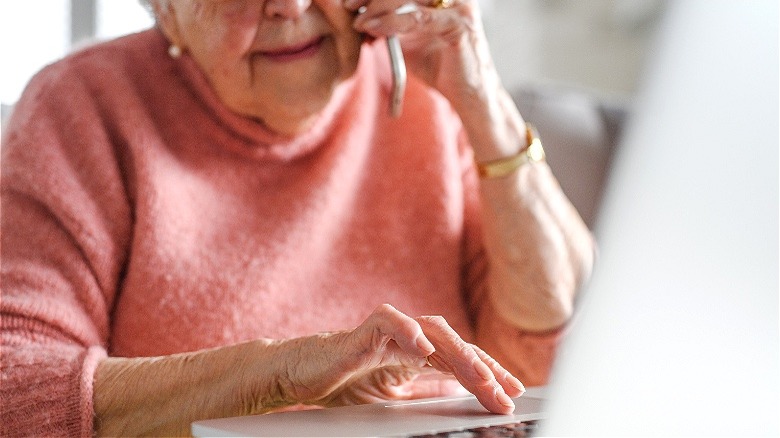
(390,419)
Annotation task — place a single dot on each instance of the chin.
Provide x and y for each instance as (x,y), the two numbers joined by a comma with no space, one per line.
(294,114)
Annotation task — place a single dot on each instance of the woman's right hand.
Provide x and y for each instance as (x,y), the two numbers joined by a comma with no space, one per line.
(381,358)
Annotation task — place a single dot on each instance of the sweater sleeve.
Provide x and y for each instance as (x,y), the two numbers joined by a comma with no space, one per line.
(527,355)
(64,236)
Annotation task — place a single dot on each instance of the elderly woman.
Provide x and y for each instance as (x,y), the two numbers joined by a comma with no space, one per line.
(194,214)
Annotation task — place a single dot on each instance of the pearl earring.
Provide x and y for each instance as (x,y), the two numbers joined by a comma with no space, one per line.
(174,51)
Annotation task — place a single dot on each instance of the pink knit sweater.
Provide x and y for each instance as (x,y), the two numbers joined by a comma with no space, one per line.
(140,217)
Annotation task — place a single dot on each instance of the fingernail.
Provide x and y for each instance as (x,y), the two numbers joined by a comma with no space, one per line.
(407,8)
(504,399)
(515,382)
(483,370)
(425,345)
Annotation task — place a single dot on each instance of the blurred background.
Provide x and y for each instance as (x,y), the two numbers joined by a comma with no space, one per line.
(577,70)
(598,46)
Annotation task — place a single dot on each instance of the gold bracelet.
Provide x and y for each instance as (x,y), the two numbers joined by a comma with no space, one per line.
(504,166)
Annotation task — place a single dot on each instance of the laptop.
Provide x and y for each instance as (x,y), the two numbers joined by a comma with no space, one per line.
(677,333)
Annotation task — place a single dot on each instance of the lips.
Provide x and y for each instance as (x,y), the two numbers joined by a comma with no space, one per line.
(294,52)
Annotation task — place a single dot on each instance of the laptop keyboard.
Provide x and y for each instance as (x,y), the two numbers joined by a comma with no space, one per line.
(521,429)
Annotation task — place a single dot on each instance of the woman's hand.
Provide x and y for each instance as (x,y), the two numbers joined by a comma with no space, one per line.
(539,250)
(381,358)
(446,47)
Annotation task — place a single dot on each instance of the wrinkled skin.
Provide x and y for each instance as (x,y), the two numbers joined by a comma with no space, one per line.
(231,38)
(381,359)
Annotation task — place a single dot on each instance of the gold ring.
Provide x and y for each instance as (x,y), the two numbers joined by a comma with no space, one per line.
(442,4)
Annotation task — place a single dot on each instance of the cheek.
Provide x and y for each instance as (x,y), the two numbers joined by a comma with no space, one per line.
(349,53)
(348,40)
(338,17)
(227,31)
(242,15)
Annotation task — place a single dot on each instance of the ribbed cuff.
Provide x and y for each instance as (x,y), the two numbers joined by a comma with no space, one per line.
(92,357)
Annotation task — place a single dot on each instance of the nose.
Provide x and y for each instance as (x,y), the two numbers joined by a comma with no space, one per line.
(289,9)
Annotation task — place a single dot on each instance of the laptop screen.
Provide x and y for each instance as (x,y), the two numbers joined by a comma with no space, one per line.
(677,333)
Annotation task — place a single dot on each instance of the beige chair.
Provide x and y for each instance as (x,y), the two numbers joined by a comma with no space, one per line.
(580,134)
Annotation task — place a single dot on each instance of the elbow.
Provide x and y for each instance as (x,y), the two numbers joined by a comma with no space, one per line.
(537,290)
(541,297)
(537,303)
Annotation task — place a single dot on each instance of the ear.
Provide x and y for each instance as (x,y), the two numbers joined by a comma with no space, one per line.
(165,12)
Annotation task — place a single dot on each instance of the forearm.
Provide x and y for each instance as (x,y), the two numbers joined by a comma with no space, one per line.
(163,395)
(539,250)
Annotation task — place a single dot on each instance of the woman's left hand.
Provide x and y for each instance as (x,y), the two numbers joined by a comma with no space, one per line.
(446,47)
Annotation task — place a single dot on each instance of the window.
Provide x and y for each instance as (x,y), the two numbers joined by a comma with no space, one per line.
(34,33)
(120,17)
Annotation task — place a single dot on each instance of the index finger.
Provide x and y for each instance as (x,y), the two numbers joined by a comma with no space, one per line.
(387,323)
(456,356)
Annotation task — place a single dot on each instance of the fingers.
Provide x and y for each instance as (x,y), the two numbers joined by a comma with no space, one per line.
(388,337)
(403,16)
(375,5)
(511,384)
(474,369)
(383,21)
(387,324)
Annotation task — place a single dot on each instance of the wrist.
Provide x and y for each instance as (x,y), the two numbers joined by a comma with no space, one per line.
(532,153)
(262,370)
(305,370)
(494,126)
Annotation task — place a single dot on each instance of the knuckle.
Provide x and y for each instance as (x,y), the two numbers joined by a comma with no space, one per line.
(425,16)
(465,350)
(378,341)
(433,320)
(384,309)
